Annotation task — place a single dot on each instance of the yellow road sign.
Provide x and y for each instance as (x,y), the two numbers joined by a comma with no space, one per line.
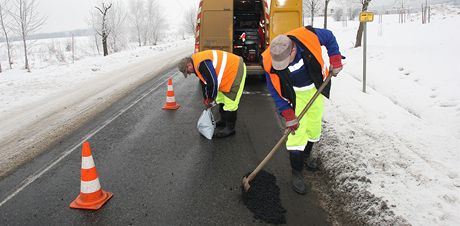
(366,17)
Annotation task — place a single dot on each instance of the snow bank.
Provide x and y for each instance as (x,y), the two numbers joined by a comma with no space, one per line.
(392,153)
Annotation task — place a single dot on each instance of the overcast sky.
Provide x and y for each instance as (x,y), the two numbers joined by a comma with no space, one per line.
(65,15)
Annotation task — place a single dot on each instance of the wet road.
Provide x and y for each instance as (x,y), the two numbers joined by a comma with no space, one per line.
(161,171)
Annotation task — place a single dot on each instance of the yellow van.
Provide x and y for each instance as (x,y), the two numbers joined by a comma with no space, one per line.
(285,15)
(244,27)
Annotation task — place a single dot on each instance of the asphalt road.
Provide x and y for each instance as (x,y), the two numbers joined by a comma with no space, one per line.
(161,171)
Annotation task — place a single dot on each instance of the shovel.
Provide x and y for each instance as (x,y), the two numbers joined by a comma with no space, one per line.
(261,165)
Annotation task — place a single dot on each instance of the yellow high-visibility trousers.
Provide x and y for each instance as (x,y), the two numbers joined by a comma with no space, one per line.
(311,123)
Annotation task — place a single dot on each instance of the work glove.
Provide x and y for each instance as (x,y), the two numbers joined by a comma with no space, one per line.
(336,64)
(291,120)
(209,102)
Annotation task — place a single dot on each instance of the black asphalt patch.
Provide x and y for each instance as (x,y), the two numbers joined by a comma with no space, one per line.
(263,199)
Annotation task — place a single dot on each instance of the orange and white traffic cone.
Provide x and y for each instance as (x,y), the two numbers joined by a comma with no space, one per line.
(91,197)
(170,99)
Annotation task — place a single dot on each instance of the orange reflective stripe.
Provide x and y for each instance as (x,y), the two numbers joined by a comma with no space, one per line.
(309,40)
(88,174)
(225,64)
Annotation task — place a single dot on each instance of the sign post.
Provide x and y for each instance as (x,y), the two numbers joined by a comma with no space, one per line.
(365,17)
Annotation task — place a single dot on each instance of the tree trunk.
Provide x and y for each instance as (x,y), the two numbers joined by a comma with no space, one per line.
(312,15)
(26,59)
(97,44)
(429,14)
(423,14)
(8,46)
(326,2)
(73,49)
(146,37)
(104,32)
(104,44)
(139,36)
(359,34)
(114,44)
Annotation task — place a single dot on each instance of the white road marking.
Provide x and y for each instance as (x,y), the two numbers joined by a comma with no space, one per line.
(40,173)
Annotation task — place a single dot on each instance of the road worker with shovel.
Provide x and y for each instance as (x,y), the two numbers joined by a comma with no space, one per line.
(295,69)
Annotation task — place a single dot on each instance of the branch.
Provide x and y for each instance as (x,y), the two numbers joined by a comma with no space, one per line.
(100,10)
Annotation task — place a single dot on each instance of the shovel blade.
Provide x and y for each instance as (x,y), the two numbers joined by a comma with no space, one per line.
(246,185)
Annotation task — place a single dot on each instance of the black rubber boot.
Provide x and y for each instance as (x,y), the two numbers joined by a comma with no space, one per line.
(229,129)
(297,159)
(298,183)
(310,163)
(221,122)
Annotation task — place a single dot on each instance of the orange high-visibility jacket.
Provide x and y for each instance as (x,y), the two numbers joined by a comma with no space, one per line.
(226,66)
(311,43)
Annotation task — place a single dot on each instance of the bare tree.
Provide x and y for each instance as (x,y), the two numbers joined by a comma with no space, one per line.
(5,23)
(359,34)
(326,3)
(73,48)
(104,29)
(338,14)
(155,22)
(116,21)
(426,11)
(147,25)
(402,12)
(312,6)
(94,21)
(190,20)
(27,21)
(137,18)
(353,13)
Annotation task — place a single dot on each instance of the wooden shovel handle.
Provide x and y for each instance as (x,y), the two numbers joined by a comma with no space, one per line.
(288,131)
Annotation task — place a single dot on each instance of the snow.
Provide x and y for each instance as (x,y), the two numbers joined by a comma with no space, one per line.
(391,153)
(38,108)
(402,136)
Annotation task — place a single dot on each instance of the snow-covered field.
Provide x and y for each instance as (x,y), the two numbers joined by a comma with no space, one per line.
(44,53)
(38,108)
(391,153)
(47,52)
(394,149)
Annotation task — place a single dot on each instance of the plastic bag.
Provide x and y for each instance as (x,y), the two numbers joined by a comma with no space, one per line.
(206,124)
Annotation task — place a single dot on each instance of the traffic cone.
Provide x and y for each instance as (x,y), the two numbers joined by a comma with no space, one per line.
(91,197)
(170,99)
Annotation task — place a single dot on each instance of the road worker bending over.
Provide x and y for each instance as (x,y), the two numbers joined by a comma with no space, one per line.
(222,77)
(295,69)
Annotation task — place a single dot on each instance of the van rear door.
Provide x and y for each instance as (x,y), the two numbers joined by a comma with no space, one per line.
(217,25)
(285,15)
